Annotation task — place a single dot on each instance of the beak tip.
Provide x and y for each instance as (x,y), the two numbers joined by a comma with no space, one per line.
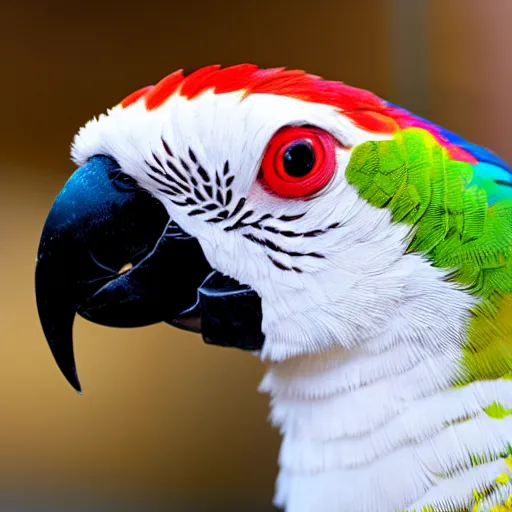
(65,360)
(72,378)
(77,386)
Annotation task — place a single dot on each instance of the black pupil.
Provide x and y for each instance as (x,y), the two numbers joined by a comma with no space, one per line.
(299,159)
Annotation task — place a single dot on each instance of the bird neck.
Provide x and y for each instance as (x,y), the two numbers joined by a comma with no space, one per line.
(362,430)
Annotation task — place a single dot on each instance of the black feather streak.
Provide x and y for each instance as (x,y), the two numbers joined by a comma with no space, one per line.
(219,217)
(203,174)
(154,169)
(176,171)
(278,264)
(276,248)
(198,195)
(157,160)
(167,192)
(238,207)
(192,155)
(184,165)
(159,181)
(220,196)
(167,148)
(289,218)
(246,215)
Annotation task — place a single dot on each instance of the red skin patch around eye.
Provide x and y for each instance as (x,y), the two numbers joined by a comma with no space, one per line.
(274,175)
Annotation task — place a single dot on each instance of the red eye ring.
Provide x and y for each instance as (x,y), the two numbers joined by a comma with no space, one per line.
(307,174)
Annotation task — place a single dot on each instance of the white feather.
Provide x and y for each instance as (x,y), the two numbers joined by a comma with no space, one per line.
(363,346)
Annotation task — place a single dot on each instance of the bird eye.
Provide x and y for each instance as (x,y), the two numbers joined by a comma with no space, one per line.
(299,158)
(123,182)
(298,161)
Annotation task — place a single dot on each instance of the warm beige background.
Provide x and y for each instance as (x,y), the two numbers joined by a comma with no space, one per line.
(163,415)
(471,69)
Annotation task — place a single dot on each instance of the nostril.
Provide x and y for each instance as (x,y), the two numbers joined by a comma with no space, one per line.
(122,181)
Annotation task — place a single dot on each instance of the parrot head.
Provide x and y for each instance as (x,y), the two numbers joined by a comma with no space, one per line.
(360,251)
(218,202)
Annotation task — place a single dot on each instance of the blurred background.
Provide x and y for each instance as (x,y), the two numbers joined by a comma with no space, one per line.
(166,422)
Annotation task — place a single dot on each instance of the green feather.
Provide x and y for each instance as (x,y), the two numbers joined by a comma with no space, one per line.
(462,222)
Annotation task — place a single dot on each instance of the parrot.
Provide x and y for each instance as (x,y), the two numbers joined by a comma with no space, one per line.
(361,252)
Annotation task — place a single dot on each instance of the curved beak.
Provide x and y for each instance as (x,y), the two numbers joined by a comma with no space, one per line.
(109,252)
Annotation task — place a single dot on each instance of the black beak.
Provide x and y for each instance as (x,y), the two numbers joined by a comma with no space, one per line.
(100,225)
(110,253)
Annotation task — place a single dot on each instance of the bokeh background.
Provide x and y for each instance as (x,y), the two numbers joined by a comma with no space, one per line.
(166,422)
